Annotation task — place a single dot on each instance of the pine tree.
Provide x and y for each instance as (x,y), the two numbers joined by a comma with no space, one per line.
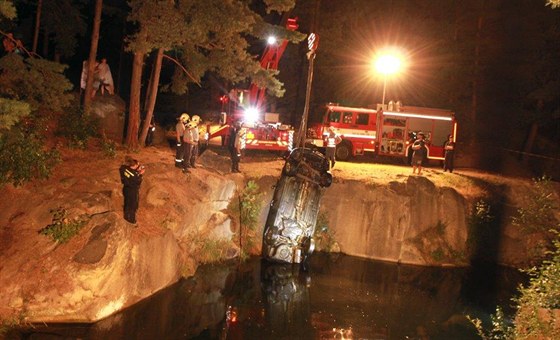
(207,36)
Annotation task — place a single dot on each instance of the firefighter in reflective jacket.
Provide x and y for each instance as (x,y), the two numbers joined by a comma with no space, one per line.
(131,177)
(180,131)
(332,140)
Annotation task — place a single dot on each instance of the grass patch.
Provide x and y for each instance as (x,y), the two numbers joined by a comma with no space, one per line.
(324,237)
(63,228)
(213,250)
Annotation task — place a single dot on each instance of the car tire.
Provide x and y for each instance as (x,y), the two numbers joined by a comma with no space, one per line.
(326,180)
(290,169)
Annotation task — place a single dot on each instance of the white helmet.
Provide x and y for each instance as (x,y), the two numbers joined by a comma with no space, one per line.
(184,117)
(195,119)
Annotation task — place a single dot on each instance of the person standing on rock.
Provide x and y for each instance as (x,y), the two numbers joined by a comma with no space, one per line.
(179,133)
(195,120)
(449,148)
(188,141)
(234,145)
(332,140)
(131,177)
(420,152)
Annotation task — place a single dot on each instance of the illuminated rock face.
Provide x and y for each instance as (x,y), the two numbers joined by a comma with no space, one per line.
(110,264)
(413,222)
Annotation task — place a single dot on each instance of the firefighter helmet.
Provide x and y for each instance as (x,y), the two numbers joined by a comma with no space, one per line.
(196,119)
(184,117)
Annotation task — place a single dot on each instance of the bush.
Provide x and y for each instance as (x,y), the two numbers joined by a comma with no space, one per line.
(324,237)
(538,213)
(78,128)
(23,157)
(63,228)
(109,147)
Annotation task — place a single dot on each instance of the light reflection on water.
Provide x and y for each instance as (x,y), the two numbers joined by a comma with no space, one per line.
(336,297)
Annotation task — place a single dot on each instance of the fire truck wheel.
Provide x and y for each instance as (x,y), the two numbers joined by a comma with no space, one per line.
(343,151)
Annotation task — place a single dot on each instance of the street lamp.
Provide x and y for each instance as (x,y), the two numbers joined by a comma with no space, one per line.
(388,63)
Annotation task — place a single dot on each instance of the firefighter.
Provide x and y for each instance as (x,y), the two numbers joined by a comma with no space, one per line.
(188,141)
(420,152)
(332,140)
(195,120)
(449,148)
(131,177)
(180,131)
(236,133)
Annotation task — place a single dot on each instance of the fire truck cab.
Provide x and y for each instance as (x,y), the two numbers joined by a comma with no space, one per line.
(385,133)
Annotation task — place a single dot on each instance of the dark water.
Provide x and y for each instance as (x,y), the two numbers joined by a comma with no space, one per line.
(335,297)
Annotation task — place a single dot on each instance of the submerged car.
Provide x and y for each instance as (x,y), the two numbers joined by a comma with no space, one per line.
(289,229)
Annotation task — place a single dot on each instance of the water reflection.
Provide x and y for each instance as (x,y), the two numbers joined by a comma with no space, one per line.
(335,297)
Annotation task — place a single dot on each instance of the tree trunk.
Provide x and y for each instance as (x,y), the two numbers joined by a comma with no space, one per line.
(92,55)
(476,71)
(134,105)
(37,26)
(528,148)
(151,101)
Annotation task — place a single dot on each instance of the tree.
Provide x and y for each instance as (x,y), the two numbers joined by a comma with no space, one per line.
(88,91)
(207,36)
(28,88)
(62,26)
(553,3)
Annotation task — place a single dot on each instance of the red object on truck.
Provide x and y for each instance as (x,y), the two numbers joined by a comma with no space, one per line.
(386,133)
(264,131)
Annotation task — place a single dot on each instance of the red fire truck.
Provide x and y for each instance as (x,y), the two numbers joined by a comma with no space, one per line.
(264,131)
(385,133)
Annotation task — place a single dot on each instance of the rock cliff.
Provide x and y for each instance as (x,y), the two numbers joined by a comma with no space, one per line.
(111,264)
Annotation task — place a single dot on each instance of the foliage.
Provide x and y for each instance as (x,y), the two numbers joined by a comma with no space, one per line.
(213,250)
(250,205)
(438,254)
(539,302)
(63,228)
(64,36)
(538,306)
(11,112)
(324,237)
(7,9)
(8,324)
(479,223)
(500,328)
(537,214)
(109,147)
(39,82)
(249,209)
(23,157)
(553,3)
(78,128)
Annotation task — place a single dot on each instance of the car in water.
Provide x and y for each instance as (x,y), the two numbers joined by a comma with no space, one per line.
(290,225)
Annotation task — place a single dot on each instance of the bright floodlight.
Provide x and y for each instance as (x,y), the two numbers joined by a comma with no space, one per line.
(251,115)
(271,40)
(388,64)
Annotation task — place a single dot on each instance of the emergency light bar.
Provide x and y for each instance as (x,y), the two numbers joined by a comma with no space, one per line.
(415,115)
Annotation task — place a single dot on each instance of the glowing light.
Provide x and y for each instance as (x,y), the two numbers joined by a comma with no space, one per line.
(388,64)
(251,115)
(271,40)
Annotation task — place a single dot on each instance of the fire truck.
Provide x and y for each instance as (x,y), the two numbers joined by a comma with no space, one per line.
(384,133)
(264,131)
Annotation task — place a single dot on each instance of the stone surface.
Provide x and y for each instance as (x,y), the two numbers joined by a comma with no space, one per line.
(111,264)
